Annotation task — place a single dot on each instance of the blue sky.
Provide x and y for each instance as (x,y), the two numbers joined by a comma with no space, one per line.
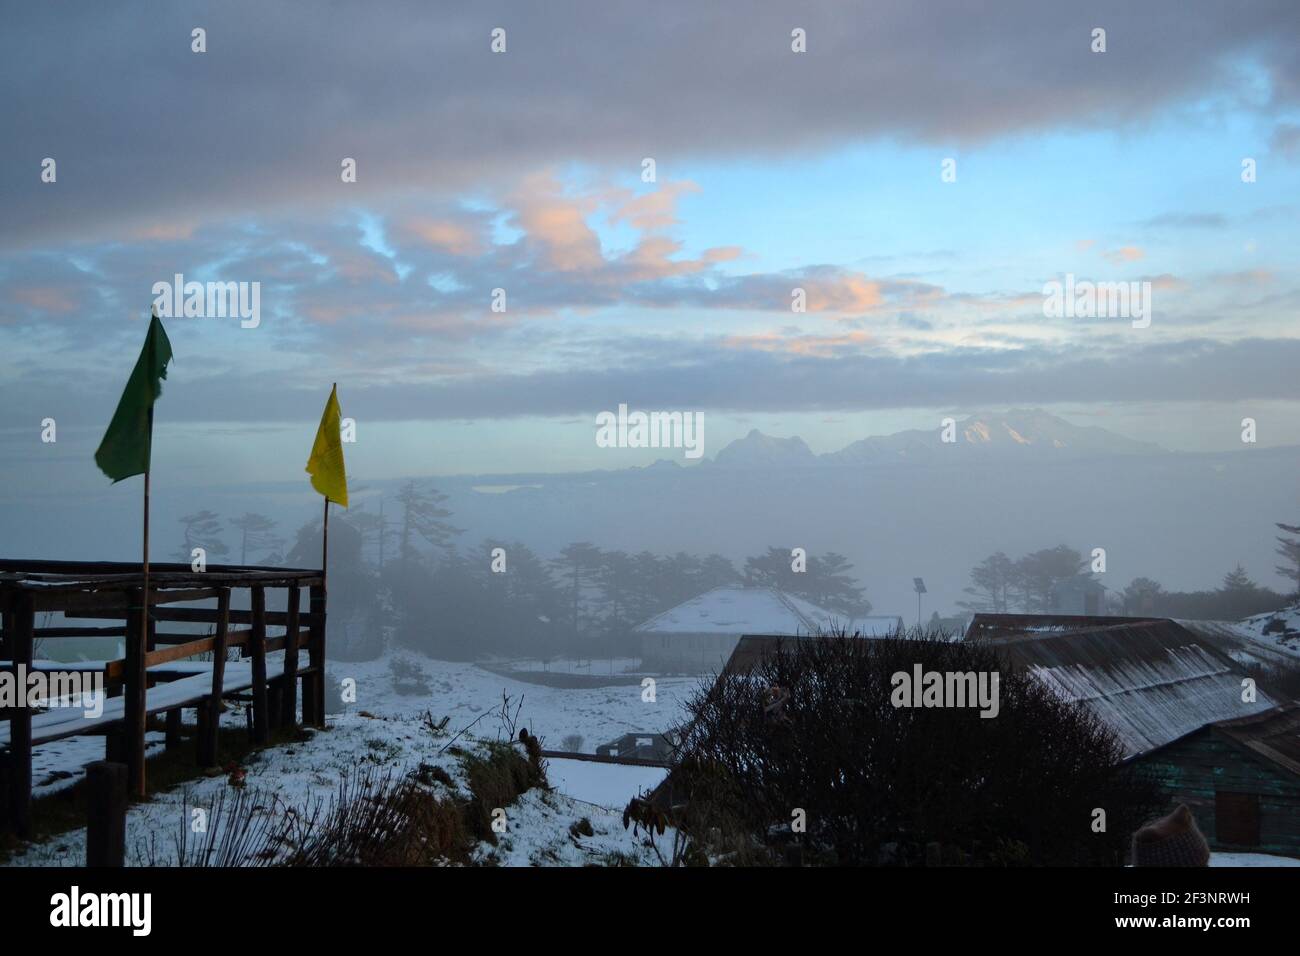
(522,172)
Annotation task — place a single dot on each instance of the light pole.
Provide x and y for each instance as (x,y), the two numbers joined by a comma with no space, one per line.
(919,587)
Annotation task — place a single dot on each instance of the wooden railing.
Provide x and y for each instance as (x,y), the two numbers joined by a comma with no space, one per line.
(112,592)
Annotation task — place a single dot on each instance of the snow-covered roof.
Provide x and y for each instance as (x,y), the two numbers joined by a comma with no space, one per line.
(758,611)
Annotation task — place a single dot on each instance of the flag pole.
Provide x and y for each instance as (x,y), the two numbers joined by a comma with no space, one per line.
(145,548)
(325,547)
(325,534)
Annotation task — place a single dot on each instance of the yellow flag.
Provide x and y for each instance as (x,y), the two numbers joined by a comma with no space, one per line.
(326,462)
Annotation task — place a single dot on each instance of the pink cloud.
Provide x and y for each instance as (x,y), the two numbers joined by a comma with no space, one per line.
(446,235)
(654,210)
(45,299)
(1123,254)
(802,344)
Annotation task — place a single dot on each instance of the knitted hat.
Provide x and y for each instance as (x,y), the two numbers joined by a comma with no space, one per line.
(1173,840)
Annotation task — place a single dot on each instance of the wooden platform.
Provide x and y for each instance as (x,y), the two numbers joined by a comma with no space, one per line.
(184,691)
(158,673)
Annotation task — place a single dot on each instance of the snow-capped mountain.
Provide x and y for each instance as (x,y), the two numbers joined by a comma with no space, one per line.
(1013,435)
(757,450)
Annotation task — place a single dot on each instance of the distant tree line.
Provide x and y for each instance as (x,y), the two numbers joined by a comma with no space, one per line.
(1000,584)
(401,576)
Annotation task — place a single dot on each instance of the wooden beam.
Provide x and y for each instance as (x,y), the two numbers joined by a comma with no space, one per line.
(173,728)
(115,671)
(257,647)
(106,814)
(111,603)
(20,622)
(207,615)
(114,631)
(177,652)
(290,681)
(133,715)
(316,658)
(212,706)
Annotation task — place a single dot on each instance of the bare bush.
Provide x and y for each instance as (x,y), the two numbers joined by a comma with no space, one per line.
(812,729)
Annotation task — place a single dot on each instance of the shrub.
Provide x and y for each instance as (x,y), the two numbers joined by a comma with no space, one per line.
(812,728)
(409,677)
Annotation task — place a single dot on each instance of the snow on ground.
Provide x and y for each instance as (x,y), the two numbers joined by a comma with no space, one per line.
(1251,859)
(385,729)
(465,692)
(604,784)
(461,692)
(1278,629)
(541,830)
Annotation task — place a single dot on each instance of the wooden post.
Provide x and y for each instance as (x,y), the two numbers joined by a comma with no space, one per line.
(106,814)
(134,705)
(290,699)
(211,723)
(201,733)
(257,646)
(316,660)
(173,728)
(274,703)
(23,620)
(115,745)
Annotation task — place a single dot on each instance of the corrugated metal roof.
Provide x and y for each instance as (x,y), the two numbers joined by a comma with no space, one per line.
(1151,681)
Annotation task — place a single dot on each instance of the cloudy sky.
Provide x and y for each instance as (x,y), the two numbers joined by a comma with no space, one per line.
(523,171)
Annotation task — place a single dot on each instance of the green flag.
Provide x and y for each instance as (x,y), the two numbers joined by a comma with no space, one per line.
(125,449)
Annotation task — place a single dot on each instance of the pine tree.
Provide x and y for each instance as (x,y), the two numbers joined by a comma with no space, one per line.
(202,530)
(423,516)
(256,534)
(1288,546)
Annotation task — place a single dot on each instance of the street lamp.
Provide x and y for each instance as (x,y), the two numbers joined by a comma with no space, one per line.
(919,587)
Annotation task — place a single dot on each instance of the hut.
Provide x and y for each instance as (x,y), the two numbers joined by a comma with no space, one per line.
(1241,779)
(699,635)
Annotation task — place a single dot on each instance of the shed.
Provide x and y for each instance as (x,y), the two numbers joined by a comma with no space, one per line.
(699,635)
(1081,594)
(1241,778)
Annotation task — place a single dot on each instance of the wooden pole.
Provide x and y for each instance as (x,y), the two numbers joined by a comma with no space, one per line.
(313,689)
(23,619)
(325,544)
(210,722)
(106,814)
(137,644)
(257,647)
(290,692)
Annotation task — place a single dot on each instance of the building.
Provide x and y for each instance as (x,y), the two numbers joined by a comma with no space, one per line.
(1241,779)
(1150,680)
(1174,698)
(1081,594)
(699,635)
(639,746)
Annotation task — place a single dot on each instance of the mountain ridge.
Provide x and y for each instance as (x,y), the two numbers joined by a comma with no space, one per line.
(1016,434)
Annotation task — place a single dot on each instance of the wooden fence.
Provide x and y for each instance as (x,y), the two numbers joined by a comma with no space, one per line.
(157,674)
